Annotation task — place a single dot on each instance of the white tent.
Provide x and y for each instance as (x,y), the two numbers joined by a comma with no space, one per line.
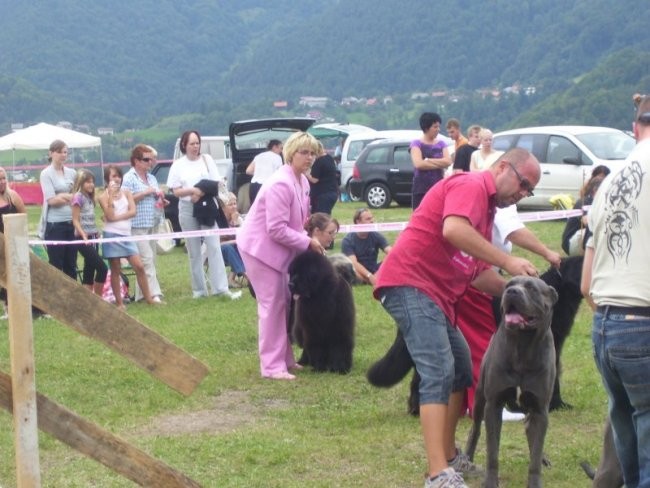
(40,136)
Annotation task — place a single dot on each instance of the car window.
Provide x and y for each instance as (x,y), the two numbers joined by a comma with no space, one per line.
(561,148)
(504,142)
(378,155)
(609,146)
(535,144)
(356,147)
(161,174)
(402,157)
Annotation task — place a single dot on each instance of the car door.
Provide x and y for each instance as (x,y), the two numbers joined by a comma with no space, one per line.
(563,169)
(557,175)
(400,173)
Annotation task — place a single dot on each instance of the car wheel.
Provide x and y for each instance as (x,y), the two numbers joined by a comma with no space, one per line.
(377,195)
(353,198)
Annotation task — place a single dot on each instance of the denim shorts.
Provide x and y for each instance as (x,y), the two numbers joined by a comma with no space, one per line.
(439,351)
(622,354)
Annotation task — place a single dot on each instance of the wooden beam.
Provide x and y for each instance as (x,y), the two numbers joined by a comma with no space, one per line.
(21,347)
(79,308)
(96,443)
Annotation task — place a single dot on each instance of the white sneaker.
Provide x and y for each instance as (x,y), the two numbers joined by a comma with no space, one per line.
(233,295)
(448,478)
(508,416)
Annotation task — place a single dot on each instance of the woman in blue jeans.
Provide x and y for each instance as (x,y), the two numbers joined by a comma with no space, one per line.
(231,257)
(56,218)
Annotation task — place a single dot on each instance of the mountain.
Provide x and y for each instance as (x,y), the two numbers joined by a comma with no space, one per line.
(127,63)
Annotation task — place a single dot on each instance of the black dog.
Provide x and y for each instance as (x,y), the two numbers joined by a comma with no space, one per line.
(520,357)
(396,363)
(324,314)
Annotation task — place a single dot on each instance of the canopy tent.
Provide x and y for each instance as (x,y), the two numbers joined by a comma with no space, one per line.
(40,136)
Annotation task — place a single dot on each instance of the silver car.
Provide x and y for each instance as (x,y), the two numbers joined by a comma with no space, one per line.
(567,155)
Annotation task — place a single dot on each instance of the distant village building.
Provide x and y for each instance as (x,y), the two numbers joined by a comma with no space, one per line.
(419,95)
(104,131)
(530,90)
(83,128)
(313,102)
(371,101)
(439,94)
(388,99)
(280,104)
(347,101)
(17,126)
(315,114)
(65,124)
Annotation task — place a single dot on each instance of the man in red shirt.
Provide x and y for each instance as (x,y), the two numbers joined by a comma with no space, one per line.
(445,248)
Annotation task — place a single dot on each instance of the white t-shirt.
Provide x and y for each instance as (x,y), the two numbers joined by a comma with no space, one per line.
(266,164)
(620,221)
(185,173)
(506,221)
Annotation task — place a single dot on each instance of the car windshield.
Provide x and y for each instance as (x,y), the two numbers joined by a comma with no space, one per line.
(259,138)
(608,145)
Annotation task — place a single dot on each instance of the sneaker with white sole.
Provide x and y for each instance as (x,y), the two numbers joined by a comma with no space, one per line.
(448,478)
(462,464)
(508,416)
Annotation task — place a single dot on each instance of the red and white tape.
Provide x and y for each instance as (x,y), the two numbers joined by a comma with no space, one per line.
(344,229)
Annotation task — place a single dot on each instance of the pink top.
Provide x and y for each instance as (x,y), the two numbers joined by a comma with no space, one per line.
(423,259)
(273,230)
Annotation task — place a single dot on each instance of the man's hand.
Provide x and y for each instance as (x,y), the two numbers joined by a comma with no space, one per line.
(553,258)
(519,266)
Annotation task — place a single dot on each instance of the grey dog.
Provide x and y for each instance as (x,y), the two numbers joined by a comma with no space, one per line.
(520,357)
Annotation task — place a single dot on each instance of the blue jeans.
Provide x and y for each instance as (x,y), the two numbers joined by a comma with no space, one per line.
(63,257)
(622,354)
(439,351)
(232,258)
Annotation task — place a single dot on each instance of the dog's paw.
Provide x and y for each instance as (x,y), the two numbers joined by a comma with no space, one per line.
(546,462)
(559,405)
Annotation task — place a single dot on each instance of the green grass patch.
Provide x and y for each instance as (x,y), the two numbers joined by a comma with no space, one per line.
(237,429)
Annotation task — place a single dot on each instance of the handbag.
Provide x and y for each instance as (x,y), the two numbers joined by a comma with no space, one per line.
(166,244)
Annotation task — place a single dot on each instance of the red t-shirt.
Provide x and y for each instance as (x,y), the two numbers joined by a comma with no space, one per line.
(423,259)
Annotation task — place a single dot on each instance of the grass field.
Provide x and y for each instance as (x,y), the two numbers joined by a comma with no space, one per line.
(239,430)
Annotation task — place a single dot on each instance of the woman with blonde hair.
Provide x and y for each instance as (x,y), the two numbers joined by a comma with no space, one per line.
(486,155)
(10,201)
(270,238)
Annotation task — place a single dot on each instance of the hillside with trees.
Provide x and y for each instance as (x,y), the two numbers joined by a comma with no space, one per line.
(131,64)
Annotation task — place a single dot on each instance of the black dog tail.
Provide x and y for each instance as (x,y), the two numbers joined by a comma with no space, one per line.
(393,367)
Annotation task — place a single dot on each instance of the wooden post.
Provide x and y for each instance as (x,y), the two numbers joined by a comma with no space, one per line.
(100,445)
(21,343)
(73,305)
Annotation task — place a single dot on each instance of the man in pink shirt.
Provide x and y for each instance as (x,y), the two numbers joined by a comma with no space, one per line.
(445,248)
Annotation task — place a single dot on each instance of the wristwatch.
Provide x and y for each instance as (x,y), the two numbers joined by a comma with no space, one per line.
(368,275)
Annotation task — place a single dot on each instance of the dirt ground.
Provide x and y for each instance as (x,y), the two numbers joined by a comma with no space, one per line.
(231,410)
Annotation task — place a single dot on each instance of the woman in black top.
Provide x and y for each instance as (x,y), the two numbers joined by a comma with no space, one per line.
(324,183)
